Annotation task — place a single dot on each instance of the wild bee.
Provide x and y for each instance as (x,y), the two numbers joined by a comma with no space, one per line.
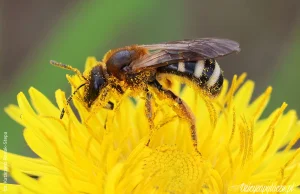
(140,67)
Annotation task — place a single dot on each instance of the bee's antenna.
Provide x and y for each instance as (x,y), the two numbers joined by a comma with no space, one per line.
(68,67)
(70,98)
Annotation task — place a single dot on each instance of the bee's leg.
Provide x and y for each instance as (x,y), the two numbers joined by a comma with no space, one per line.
(110,105)
(118,89)
(149,114)
(100,102)
(180,107)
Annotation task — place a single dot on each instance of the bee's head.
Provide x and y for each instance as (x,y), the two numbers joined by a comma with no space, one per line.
(97,81)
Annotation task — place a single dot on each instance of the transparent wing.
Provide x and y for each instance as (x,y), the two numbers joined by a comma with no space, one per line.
(187,50)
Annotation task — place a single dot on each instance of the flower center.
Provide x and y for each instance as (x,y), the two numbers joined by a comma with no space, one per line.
(171,170)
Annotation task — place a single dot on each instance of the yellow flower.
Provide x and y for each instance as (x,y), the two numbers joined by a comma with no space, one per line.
(107,153)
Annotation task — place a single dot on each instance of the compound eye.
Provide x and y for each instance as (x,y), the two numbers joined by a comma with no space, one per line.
(118,61)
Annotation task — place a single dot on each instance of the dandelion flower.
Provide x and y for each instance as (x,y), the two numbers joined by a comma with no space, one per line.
(108,153)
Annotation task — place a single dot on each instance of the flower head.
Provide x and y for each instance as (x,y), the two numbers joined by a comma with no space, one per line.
(106,152)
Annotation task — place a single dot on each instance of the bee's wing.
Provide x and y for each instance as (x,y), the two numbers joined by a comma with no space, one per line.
(187,50)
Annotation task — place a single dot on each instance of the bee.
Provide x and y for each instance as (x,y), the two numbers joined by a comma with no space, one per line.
(141,67)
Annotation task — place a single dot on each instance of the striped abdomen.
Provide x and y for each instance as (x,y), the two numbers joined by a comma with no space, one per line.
(206,74)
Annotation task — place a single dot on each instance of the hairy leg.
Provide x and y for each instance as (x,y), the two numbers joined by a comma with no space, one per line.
(149,114)
(180,107)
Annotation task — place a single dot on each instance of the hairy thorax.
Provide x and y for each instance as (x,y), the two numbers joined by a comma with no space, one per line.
(140,80)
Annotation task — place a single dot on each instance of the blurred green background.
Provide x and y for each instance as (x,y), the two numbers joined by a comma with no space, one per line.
(33,32)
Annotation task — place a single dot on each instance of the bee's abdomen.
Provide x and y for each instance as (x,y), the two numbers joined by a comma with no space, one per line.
(206,74)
